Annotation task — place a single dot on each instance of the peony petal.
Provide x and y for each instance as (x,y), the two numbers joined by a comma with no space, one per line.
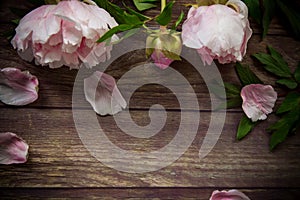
(228,195)
(13,149)
(258,101)
(101,92)
(17,87)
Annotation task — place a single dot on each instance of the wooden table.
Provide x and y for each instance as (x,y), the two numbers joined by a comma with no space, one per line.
(59,165)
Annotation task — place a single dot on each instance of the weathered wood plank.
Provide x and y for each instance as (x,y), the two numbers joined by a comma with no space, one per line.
(59,159)
(140,193)
(56,85)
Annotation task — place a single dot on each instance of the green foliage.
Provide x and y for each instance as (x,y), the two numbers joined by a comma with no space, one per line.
(274,63)
(178,21)
(142,5)
(289,121)
(166,15)
(245,127)
(263,11)
(246,76)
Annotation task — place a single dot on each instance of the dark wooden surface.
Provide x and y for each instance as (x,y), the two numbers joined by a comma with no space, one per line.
(59,165)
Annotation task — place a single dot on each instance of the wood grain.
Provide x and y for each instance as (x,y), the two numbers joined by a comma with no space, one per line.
(59,159)
(61,167)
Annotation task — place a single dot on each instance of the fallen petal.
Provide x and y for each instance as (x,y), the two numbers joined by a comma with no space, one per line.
(101,92)
(13,149)
(228,195)
(17,88)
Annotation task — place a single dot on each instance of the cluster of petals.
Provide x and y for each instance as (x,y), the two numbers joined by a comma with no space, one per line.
(64,34)
(218,31)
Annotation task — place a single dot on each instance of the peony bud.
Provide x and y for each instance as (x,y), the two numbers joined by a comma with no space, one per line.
(163,46)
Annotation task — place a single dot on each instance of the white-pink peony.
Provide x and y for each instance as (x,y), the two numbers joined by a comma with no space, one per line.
(13,149)
(258,101)
(228,195)
(102,93)
(64,34)
(218,31)
(17,88)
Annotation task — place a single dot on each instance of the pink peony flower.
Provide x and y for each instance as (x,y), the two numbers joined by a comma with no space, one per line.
(218,31)
(17,88)
(101,92)
(13,149)
(160,60)
(64,34)
(258,101)
(228,195)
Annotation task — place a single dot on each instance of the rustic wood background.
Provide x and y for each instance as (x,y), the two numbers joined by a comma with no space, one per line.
(59,166)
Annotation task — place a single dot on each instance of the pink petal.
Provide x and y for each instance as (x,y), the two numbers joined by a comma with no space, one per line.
(228,195)
(258,101)
(160,60)
(17,87)
(101,92)
(13,149)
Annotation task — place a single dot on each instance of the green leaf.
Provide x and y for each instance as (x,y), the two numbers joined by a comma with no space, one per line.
(232,90)
(178,21)
(245,127)
(289,83)
(279,59)
(269,11)
(144,4)
(287,124)
(231,103)
(297,73)
(128,34)
(114,30)
(278,137)
(254,10)
(246,76)
(166,15)
(291,101)
(290,11)
(139,15)
(120,15)
(171,55)
(274,63)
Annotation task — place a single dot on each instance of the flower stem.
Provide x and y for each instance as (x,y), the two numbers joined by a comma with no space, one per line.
(163,5)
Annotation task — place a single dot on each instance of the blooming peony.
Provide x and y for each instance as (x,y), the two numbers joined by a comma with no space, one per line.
(64,34)
(13,149)
(218,31)
(258,101)
(228,195)
(102,93)
(17,88)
